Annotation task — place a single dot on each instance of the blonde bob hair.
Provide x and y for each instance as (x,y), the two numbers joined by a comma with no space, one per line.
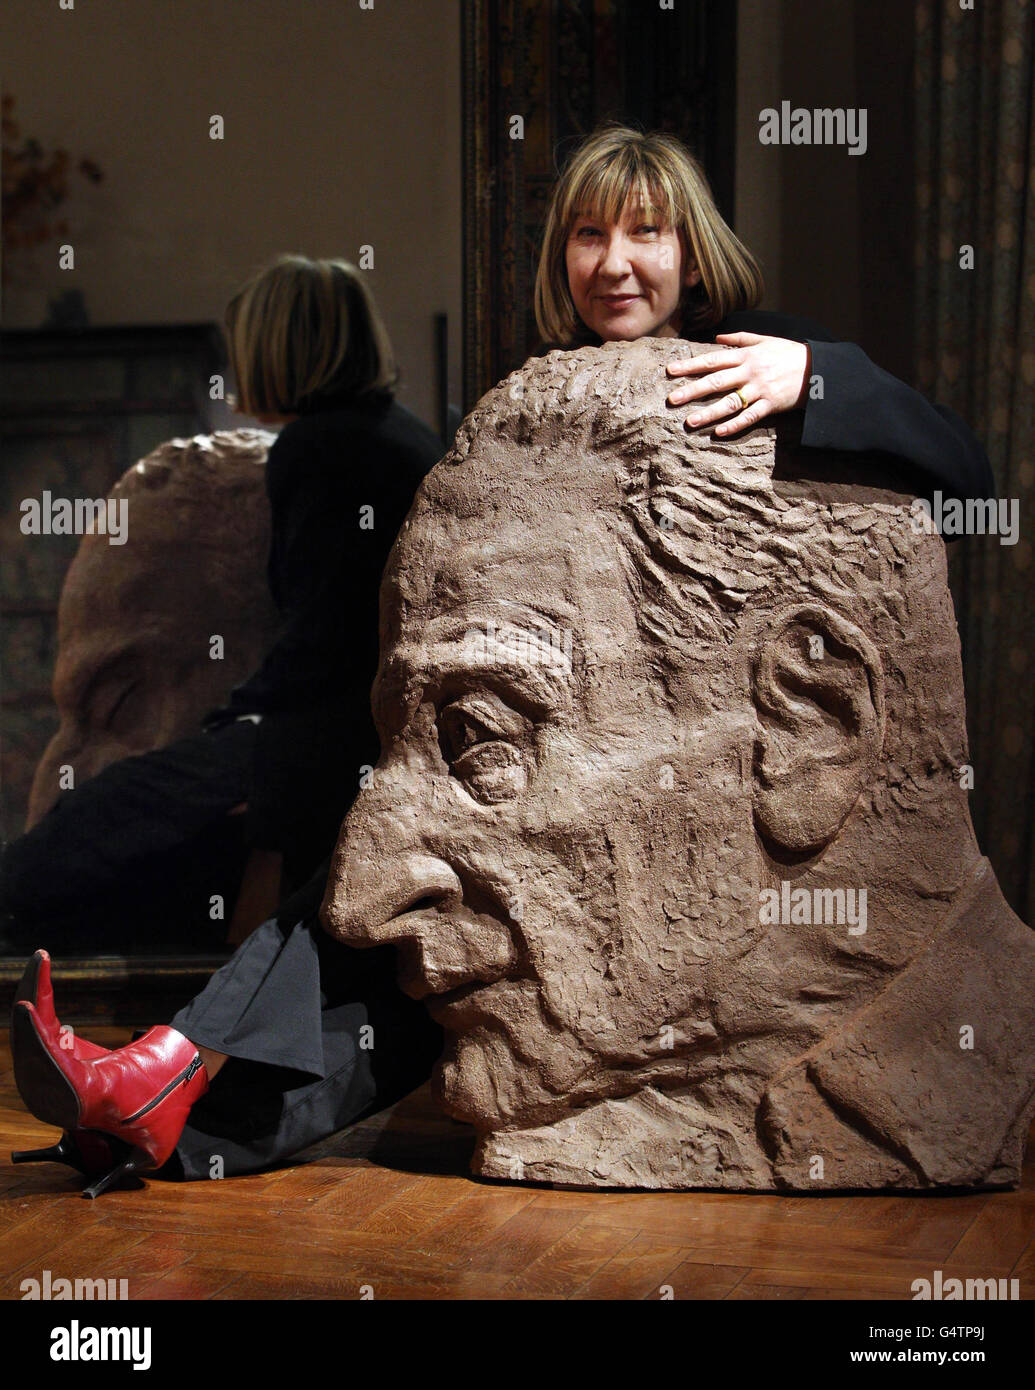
(611,166)
(306,335)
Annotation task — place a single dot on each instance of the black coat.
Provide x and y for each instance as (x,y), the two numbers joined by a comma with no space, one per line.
(340,483)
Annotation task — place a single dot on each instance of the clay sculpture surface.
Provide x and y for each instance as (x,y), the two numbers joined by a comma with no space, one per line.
(670,825)
(138,662)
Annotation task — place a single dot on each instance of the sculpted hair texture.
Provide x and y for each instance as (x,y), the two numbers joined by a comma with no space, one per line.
(707,535)
(304,335)
(214,485)
(611,166)
(210,488)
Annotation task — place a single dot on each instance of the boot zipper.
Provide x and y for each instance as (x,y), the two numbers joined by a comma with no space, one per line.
(183,1078)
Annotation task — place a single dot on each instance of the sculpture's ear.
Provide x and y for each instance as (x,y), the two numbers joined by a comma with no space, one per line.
(819,696)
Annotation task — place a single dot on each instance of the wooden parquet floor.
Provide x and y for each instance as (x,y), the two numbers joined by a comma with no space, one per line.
(387,1204)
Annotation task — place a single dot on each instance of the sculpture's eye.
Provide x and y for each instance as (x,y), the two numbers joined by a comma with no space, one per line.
(113,704)
(125,711)
(478,741)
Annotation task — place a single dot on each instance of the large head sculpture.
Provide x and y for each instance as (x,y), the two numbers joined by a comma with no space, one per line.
(670,799)
(137,666)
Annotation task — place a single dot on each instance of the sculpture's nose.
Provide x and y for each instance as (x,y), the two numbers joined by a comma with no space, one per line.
(369,892)
(382,866)
(389,885)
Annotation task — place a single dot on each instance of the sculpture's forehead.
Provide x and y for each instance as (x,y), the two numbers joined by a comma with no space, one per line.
(556,559)
(108,584)
(166,554)
(550,585)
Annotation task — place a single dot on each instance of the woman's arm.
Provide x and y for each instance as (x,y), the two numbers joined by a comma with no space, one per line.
(781,363)
(309,546)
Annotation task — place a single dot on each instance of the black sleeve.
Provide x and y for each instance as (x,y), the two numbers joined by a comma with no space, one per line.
(309,519)
(865,409)
(285,674)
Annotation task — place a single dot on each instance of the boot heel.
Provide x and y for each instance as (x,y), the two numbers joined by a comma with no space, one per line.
(139,1161)
(87,1152)
(64,1151)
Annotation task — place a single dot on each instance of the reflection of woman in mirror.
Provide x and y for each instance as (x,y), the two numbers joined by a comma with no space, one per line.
(274,1031)
(309,351)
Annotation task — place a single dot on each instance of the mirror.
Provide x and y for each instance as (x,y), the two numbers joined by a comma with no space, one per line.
(154,157)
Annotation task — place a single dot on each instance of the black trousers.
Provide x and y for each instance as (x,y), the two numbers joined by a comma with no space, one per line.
(317,1034)
(136,857)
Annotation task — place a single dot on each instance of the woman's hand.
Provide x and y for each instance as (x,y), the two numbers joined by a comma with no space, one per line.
(772,373)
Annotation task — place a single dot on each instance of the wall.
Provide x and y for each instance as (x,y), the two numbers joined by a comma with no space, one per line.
(342,128)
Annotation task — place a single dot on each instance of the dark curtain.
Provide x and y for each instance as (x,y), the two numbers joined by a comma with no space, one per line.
(975,334)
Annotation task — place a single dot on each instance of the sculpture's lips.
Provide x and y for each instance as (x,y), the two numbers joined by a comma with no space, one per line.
(462,1004)
(445,959)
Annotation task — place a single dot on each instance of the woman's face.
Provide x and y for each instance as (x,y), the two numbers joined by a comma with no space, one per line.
(626,277)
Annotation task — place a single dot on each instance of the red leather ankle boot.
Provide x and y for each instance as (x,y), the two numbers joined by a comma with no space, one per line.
(135,1098)
(90,1154)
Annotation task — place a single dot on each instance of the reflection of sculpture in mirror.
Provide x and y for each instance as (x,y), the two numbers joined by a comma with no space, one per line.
(667,825)
(136,665)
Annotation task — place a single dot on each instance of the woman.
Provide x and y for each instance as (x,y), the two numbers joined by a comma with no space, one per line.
(605,274)
(309,351)
(634,246)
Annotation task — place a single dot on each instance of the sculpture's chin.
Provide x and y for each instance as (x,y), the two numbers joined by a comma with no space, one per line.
(445,1087)
(467,1083)
(461,1097)
(479,1081)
